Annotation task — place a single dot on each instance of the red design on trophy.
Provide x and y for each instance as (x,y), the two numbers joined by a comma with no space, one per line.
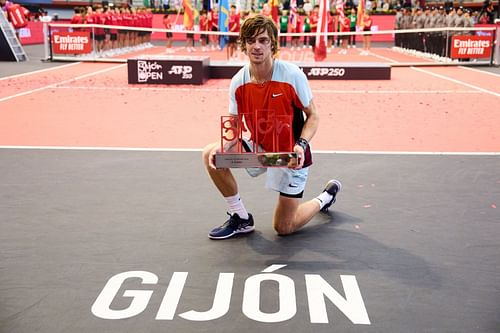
(259,139)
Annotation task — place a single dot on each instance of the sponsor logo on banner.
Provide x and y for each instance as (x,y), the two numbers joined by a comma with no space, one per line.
(471,46)
(186,72)
(71,42)
(326,71)
(149,71)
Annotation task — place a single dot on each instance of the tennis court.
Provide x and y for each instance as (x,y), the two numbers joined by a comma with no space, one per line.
(105,208)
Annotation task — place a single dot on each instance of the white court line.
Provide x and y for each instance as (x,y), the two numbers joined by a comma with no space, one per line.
(456,81)
(480,71)
(54,85)
(38,71)
(340,152)
(382,57)
(319,91)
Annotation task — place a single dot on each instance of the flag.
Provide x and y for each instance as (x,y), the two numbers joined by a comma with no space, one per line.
(321,37)
(224,21)
(188,14)
(293,14)
(361,12)
(274,10)
(339,6)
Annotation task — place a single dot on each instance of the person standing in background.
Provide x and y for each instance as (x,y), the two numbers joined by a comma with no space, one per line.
(307,29)
(234,26)
(283,27)
(367,26)
(169,34)
(353,19)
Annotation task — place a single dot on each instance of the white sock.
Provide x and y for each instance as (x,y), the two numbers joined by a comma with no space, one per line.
(323,199)
(236,206)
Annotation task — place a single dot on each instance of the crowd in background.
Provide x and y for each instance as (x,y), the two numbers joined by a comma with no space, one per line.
(437,43)
(112,39)
(286,21)
(409,16)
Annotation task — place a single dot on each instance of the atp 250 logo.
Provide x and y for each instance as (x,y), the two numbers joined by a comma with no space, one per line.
(318,290)
(185,71)
(326,71)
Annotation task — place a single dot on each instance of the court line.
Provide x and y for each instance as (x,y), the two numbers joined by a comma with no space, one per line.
(382,57)
(456,81)
(339,152)
(479,71)
(38,71)
(320,91)
(54,85)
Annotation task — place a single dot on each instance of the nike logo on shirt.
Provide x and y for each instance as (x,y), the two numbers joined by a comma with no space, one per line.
(276,95)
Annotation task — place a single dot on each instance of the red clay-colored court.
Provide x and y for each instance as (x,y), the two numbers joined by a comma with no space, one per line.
(431,109)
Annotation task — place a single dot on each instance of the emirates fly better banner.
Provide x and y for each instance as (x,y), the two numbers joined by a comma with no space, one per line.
(471,46)
(75,42)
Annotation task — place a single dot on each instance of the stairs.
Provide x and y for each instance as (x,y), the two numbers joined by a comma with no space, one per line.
(10,47)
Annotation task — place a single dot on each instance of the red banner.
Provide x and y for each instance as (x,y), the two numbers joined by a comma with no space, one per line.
(471,47)
(71,42)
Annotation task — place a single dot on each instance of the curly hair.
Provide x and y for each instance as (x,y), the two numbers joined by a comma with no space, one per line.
(256,25)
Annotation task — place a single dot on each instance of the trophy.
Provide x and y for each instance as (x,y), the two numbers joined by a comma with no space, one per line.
(261,139)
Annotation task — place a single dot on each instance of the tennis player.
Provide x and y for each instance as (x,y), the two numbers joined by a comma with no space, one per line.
(269,83)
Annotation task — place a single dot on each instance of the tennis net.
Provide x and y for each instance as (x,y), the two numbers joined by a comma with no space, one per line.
(95,42)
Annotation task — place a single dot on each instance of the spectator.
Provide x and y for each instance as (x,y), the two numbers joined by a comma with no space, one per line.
(314,26)
(295,28)
(189,24)
(367,26)
(203,28)
(308,7)
(353,18)
(17,15)
(344,26)
(487,15)
(283,27)
(213,19)
(307,29)
(234,26)
(77,18)
(169,34)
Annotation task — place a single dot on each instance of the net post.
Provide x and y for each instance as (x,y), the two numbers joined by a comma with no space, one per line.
(495,54)
(447,43)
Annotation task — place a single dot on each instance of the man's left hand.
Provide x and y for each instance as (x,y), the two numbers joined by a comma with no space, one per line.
(297,163)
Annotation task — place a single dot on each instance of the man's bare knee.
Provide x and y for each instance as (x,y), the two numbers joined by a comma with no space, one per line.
(283,229)
(206,153)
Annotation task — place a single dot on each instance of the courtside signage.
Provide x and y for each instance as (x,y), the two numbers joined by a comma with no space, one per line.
(471,46)
(76,42)
(321,295)
(168,70)
(149,71)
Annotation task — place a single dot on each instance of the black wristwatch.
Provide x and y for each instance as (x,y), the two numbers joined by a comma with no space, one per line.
(302,143)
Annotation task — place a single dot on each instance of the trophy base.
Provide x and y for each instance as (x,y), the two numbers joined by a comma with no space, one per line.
(253,160)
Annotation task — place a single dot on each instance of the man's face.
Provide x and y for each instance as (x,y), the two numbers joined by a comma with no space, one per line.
(259,48)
